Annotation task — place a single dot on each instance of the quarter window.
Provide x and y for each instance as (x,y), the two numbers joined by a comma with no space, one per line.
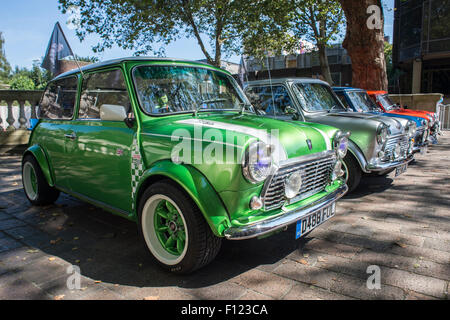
(59,99)
(102,88)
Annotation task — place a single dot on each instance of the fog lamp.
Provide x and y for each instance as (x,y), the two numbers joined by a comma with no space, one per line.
(293,185)
(337,171)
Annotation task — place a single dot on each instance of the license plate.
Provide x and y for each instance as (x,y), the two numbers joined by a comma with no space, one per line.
(314,220)
(401,169)
(423,150)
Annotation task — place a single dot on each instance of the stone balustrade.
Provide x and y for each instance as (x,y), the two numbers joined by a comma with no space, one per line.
(16,110)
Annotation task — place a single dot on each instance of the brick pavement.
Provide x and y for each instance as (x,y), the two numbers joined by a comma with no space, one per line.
(401,225)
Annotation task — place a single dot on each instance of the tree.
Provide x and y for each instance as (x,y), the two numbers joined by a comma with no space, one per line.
(5,68)
(364,41)
(319,21)
(142,25)
(22,82)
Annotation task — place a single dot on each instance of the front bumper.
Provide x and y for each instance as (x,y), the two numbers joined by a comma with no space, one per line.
(270,225)
(388,165)
(418,147)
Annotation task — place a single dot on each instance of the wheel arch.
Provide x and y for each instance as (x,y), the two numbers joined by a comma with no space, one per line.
(356,152)
(195,185)
(38,153)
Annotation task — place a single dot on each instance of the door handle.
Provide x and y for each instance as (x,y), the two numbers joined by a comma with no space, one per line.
(71,136)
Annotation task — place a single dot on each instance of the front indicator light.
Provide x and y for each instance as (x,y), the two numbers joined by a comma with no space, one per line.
(337,171)
(256,203)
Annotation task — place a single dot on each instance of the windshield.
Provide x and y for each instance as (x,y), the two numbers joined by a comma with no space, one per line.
(316,97)
(386,102)
(179,89)
(362,101)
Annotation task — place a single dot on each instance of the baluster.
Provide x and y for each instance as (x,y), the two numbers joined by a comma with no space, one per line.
(1,120)
(10,118)
(33,109)
(22,118)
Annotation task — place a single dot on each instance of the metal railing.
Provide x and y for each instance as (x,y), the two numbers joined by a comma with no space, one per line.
(444,116)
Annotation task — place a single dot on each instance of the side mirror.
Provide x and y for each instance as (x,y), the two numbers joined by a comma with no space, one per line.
(112,112)
(291,111)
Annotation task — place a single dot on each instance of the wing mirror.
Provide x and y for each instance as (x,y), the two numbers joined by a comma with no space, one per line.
(291,111)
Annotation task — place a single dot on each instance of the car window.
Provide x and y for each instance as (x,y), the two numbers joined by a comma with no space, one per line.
(273,100)
(180,89)
(316,97)
(101,88)
(344,101)
(59,99)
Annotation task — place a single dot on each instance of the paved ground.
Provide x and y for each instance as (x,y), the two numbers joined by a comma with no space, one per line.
(401,225)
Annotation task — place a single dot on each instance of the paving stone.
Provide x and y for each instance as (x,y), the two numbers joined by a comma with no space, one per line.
(21,289)
(340,250)
(10,224)
(265,283)
(7,244)
(309,292)
(164,293)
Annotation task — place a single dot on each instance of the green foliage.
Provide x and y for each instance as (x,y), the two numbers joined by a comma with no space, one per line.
(5,68)
(148,26)
(38,76)
(84,59)
(22,82)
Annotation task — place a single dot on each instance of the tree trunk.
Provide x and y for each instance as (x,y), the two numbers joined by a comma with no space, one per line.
(324,66)
(364,43)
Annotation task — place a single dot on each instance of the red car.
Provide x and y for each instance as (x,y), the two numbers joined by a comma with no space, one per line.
(388,106)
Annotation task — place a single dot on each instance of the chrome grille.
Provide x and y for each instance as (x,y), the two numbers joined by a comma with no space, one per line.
(392,143)
(418,140)
(315,176)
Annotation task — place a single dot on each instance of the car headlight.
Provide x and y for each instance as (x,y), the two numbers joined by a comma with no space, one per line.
(411,129)
(382,133)
(340,142)
(257,163)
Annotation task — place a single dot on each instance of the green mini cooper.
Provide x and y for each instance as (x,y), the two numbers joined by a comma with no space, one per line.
(175,146)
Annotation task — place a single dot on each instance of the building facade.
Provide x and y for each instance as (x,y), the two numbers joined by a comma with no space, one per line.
(421,50)
(303,65)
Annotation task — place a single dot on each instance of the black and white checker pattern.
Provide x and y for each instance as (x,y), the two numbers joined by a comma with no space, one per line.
(137,170)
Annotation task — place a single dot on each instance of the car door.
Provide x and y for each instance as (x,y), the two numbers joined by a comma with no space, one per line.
(56,110)
(100,151)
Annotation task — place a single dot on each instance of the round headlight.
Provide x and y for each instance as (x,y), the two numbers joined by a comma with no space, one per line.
(293,185)
(397,151)
(257,164)
(341,144)
(411,129)
(382,134)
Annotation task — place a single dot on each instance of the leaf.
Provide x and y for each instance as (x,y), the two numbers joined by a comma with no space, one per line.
(60,297)
(151,298)
(400,244)
(303,261)
(32,251)
(321,259)
(52,259)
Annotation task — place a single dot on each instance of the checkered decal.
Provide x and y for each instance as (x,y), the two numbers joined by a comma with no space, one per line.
(137,169)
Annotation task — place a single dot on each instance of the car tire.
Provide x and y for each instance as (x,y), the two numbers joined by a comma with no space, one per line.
(174,229)
(352,172)
(36,187)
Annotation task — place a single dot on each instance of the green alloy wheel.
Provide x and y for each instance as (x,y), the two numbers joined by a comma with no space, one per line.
(35,185)
(174,230)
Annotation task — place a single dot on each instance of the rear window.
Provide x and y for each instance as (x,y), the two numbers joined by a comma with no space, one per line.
(58,101)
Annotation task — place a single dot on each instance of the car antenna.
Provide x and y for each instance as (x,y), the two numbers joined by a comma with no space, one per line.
(270,81)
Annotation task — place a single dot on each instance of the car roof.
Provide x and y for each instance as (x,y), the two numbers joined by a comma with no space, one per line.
(282,80)
(347,89)
(118,61)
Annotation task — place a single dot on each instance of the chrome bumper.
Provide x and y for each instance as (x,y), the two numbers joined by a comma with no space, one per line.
(389,165)
(270,225)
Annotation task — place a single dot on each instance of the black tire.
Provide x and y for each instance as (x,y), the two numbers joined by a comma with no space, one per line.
(45,194)
(353,172)
(201,247)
